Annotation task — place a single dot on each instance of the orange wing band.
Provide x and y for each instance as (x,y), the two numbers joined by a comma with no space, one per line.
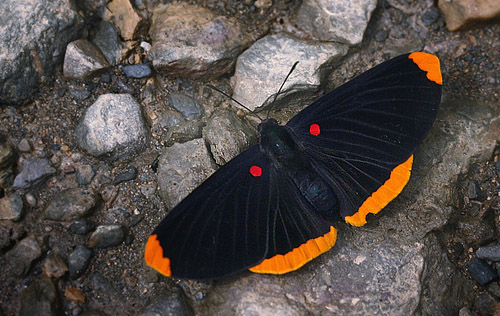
(428,63)
(386,193)
(154,256)
(299,256)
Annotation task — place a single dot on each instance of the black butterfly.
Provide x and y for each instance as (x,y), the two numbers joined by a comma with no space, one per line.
(271,208)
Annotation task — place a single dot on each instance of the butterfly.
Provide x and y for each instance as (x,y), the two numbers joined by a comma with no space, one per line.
(272,208)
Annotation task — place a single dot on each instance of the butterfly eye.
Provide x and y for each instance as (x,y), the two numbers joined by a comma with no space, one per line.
(314,129)
(256,171)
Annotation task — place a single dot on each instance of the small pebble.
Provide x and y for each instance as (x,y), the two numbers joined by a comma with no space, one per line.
(78,261)
(481,271)
(82,227)
(128,175)
(107,236)
(489,253)
(137,71)
(24,146)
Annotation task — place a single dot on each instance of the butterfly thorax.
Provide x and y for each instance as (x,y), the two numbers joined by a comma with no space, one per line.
(289,158)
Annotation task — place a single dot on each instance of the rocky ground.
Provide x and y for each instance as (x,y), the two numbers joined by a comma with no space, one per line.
(87,174)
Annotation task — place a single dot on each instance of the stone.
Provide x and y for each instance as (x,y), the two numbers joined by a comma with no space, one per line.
(33,172)
(78,261)
(54,266)
(83,61)
(82,226)
(7,160)
(129,174)
(71,204)
(24,146)
(112,127)
(74,294)
(33,37)
(186,105)
(168,302)
(481,271)
(261,69)
(107,39)
(107,236)
(461,14)
(11,207)
(39,299)
(181,168)
(125,17)
(84,174)
(193,42)
(137,71)
(23,255)
(489,253)
(184,131)
(335,20)
(227,135)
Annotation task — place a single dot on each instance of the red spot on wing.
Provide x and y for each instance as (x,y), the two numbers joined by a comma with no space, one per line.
(256,171)
(314,129)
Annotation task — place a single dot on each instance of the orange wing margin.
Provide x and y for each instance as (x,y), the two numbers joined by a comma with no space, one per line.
(154,256)
(387,192)
(428,63)
(299,256)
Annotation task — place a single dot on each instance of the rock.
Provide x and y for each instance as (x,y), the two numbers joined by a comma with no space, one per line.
(113,126)
(22,256)
(33,172)
(186,105)
(261,69)
(11,207)
(489,253)
(193,42)
(107,236)
(84,174)
(137,71)
(33,37)
(184,131)
(70,204)
(227,135)
(74,294)
(24,146)
(83,61)
(481,271)
(181,168)
(82,227)
(430,16)
(54,266)
(168,302)
(486,304)
(108,41)
(124,176)
(126,18)
(465,312)
(39,299)
(474,191)
(78,261)
(340,21)
(461,14)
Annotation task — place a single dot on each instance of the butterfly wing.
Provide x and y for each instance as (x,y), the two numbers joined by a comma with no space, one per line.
(362,135)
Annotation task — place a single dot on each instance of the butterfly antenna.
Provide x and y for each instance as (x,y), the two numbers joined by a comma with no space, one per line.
(230,97)
(282,85)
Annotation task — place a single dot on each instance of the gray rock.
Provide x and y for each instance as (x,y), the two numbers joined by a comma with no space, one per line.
(137,71)
(7,160)
(181,168)
(481,271)
(184,131)
(227,135)
(11,207)
(489,253)
(261,69)
(108,41)
(22,256)
(78,261)
(124,176)
(168,302)
(341,21)
(82,226)
(113,126)
(186,105)
(33,37)
(70,204)
(33,172)
(84,174)
(39,299)
(24,146)
(107,236)
(83,60)
(190,41)
(54,266)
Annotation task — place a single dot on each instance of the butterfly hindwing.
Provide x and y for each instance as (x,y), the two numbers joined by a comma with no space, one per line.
(362,135)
